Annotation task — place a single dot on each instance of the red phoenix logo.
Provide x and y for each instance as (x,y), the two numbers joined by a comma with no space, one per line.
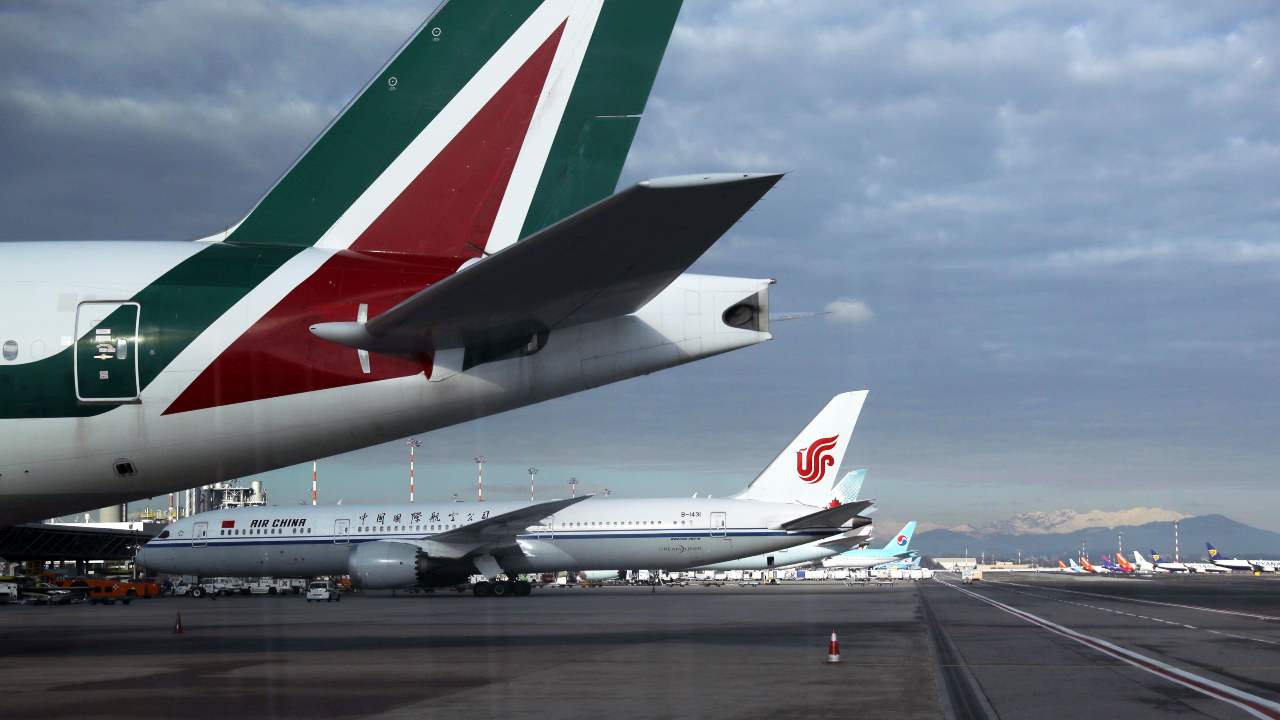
(812,462)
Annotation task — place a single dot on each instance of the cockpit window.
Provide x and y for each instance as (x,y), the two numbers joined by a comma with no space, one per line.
(164,534)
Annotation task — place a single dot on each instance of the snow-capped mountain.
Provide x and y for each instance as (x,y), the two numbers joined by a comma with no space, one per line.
(1066,521)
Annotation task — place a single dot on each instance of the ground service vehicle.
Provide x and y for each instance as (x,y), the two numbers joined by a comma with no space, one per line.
(323,591)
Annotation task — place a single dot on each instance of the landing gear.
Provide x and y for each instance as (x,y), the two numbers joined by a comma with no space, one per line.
(502,588)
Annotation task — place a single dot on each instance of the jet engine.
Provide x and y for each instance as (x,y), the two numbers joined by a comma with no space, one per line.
(390,565)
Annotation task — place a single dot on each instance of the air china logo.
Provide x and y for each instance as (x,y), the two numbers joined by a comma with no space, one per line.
(812,463)
(902,539)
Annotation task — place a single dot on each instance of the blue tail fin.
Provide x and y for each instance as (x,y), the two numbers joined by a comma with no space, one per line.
(902,541)
(1213,551)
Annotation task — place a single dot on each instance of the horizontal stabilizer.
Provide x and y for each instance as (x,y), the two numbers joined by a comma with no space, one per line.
(831,517)
(507,525)
(848,540)
(604,261)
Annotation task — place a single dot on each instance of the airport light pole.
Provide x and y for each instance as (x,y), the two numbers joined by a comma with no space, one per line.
(315,495)
(532,471)
(573,487)
(479,478)
(414,444)
(1177,554)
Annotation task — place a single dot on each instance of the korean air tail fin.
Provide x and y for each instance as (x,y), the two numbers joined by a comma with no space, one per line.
(901,543)
(801,472)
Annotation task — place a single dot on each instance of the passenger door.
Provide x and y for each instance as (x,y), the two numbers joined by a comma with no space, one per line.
(106,352)
(719,524)
(200,535)
(342,531)
(547,530)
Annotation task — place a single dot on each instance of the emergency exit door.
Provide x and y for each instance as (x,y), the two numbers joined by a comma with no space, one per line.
(106,352)
(718,524)
(200,534)
(342,531)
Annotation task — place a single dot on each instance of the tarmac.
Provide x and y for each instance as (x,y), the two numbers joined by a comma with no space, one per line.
(1015,645)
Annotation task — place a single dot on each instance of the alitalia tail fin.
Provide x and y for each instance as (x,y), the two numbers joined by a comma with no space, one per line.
(493,121)
(801,472)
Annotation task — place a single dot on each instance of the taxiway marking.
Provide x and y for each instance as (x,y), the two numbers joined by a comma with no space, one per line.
(1250,703)
(1256,616)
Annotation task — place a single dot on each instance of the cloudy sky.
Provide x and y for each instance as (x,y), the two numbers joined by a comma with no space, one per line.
(1049,233)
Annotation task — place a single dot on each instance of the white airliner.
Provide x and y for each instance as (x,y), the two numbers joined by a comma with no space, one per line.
(1156,566)
(897,548)
(846,491)
(450,247)
(399,546)
(1216,558)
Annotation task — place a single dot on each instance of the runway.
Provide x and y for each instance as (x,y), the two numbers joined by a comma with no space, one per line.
(1108,647)
(1006,647)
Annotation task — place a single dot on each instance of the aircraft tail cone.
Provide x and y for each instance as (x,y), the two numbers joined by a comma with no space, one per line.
(833,648)
(177,624)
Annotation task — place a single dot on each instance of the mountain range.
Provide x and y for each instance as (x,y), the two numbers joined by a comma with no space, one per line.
(1057,535)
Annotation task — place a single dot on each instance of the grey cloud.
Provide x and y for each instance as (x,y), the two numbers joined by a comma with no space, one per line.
(1064,217)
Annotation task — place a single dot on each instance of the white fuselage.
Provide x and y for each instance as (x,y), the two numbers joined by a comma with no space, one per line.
(1233,564)
(807,553)
(595,534)
(1204,567)
(860,559)
(54,462)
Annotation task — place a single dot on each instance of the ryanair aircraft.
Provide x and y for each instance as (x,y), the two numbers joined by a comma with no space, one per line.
(450,247)
(402,546)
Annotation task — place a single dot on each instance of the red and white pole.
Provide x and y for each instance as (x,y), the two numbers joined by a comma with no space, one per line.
(414,443)
(532,471)
(480,478)
(315,496)
(833,648)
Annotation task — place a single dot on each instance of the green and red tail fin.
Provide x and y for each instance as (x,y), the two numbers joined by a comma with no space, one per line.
(492,121)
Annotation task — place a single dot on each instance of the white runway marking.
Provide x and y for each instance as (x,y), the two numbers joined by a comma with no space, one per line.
(1250,703)
(1134,615)
(1255,616)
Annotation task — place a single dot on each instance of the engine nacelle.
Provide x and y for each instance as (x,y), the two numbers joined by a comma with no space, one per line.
(389,565)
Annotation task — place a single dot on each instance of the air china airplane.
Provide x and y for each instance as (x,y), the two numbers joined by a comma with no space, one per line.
(450,247)
(401,546)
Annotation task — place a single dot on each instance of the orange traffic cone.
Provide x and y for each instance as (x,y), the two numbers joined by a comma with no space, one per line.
(833,648)
(177,624)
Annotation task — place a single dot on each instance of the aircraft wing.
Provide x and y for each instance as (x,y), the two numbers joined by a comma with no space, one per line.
(606,260)
(831,517)
(847,541)
(505,526)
